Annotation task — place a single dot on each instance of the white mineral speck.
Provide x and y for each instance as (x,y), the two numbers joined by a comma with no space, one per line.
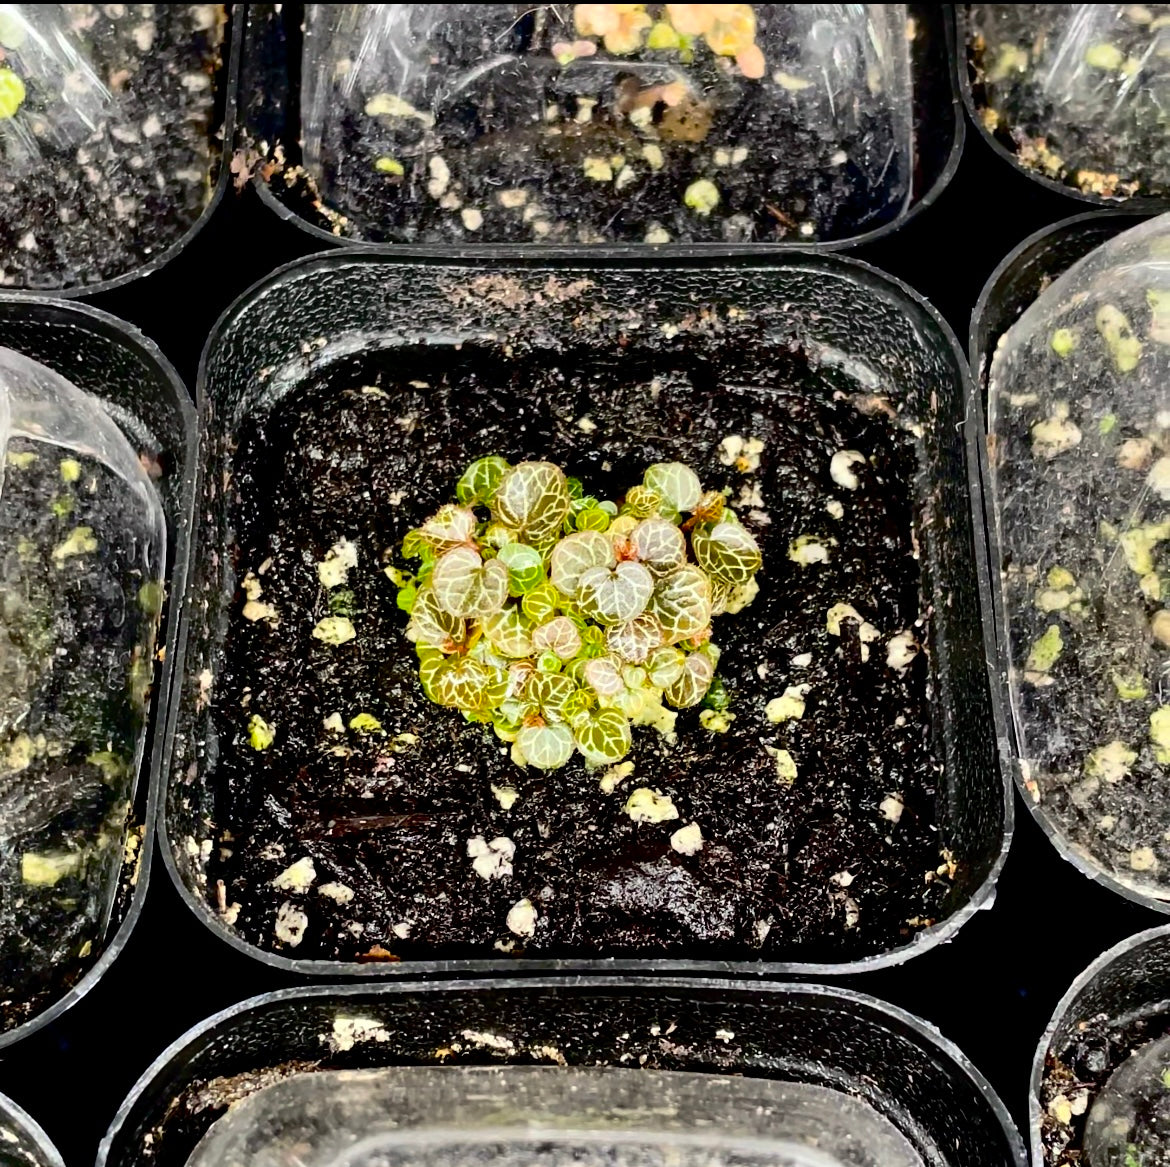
(298,877)
(506,796)
(687,840)
(144,36)
(472,219)
(841,468)
(835,508)
(511,199)
(648,806)
(402,930)
(586,424)
(901,651)
(725,1035)
(291,923)
(1143,859)
(491,860)
(800,661)
(1158,478)
(151,127)
(657,234)
(440,174)
(891,807)
(337,892)
(522,918)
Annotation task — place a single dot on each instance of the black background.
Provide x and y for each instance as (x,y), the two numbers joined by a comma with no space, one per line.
(991,990)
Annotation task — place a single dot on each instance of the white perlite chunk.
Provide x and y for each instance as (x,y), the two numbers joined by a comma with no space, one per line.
(440,174)
(291,923)
(298,877)
(1056,434)
(648,806)
(1158,478)
(337,892)
(506,796)
(349,1031)
(333,570)
(687,840)
(522,918)
(789,707)
(840,468)
(891,807)
(901,651)
(491,860)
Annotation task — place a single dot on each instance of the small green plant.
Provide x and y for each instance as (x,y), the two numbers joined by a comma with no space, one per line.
(563,620)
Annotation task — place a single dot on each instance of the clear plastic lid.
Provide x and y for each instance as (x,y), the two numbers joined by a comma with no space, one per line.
(593,123)
(82,556)
(1081,90)
(1129,1121)
(525,1115)
(105,135)
(1079,450)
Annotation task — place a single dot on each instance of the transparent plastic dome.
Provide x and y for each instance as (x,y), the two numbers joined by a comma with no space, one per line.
(1079,451)
(106,153)
(1078,91)
(1129,1122)
(593,123)
(82,553)
(521,1116)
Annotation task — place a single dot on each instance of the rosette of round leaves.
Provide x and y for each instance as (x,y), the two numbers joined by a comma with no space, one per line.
(563,619)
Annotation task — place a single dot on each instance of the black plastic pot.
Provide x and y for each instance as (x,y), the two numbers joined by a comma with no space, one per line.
(851,1042)
(24,1144)
(221,137)
(270,127)
(326,309)
(108,358)
(966,79)
(1127,987)
(1009,291)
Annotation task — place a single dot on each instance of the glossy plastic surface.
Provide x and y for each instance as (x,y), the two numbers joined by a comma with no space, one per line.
(22,1142)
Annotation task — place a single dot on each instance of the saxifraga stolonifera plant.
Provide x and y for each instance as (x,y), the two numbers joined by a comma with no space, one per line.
(563,620)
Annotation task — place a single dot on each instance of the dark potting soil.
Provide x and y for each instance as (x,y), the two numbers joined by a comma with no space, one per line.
(94,188)
(348,846)
(75,670)
(514,147)
(1104,134)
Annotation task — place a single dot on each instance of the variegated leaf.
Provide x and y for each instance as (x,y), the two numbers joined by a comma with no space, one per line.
(549,692)
(574,555)
(464,585)
(636,639)
(558,636)
(533,497)
(525,567)
(480,481)
(448,527)
(692,686)
(642,502)
(547,747)
(509,632)
(464,684)
(432,627)
(675,484)
(615,595)
(665,665)
(727,551)
(603,736)
(603,676)
(682,603)
(659,545)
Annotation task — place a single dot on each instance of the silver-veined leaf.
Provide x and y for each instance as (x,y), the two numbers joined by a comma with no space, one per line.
(682,603)
(547,747)
(636,639)
(559,636)
(675,484)
(464,684)
(549,692)
(665,665)
(727,551)
(615,595)
(431,627)
(509,632)
(574,555)
(525,567)
(533,497)
(464,585)
(659,545)
(603,676)
(641,502)
(480,481)
(448,527)
(603,736)
(692,685)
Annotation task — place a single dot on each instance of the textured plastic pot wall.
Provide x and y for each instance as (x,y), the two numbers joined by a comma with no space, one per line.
(117,364)
(269,89)
(345,303)
(812,1034)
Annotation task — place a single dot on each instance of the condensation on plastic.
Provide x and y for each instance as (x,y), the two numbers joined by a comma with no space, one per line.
(1132,1110)
(1125,984)
(74,118)
(1074,94)
(1079,438)
(488,125)
(293,325)
(421,1116)
(22,1142)
(87,387)
(886,1060)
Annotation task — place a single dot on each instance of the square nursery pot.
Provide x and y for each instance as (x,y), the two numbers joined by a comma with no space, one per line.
(114,121)
(24,1143)
(797,1076)
(459,124)
(322,814)
(1073,95)
(1068,338)
(1099,1085)
(96,496)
